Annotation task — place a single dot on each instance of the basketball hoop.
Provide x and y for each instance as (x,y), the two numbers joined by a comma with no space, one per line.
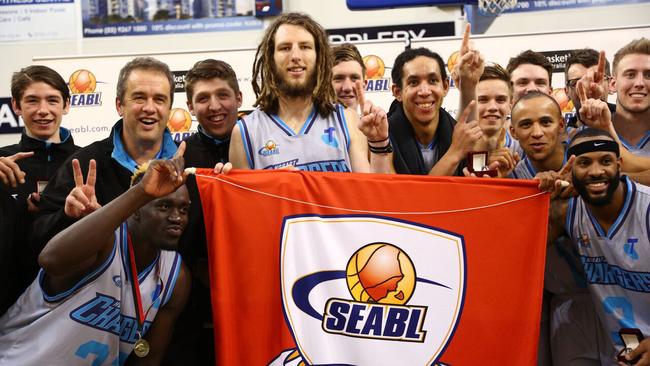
(495,7)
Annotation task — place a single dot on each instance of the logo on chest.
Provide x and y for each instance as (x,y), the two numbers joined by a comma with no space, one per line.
(269,148)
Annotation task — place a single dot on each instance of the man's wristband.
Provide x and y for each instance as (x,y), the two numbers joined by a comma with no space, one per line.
(378,141)
(387,149)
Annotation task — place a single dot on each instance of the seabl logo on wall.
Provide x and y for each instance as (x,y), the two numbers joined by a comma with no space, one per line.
(367,290)
(179,124)
(9,121)
(375,69)
(82,85)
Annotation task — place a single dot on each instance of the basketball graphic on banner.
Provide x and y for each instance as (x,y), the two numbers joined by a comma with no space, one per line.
(82,82)
(381,273)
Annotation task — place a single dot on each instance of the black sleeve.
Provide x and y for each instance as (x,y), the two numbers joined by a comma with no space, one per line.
(51,218)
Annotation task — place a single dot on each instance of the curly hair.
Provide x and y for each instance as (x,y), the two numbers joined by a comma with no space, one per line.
(264,70)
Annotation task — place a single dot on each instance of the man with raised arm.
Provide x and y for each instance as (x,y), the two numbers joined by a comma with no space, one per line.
(297,122)
(427,139)
(112,285)
(144,98)
(592,68)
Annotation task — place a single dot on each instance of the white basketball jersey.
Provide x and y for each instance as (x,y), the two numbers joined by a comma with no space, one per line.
(94,322)
(640,149)
(524,170)
(617,262)
(320,145)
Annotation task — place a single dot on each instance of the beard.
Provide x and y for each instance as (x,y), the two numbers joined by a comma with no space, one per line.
(581,187)
(293,90)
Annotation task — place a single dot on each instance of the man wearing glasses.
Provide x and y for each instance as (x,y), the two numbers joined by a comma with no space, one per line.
(587,62)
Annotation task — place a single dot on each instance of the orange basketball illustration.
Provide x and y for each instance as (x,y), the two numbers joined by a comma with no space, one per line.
(82,82)
(179,120)
(562,99)
(375,67)
(452,61)
(381,273)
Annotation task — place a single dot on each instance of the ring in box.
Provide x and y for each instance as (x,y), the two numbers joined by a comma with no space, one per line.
(631,338)
(477,163)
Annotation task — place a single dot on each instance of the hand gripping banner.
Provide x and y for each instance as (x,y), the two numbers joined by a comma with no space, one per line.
(364,269)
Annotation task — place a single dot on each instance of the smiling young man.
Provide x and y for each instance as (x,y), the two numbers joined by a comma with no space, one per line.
(41,98)
(348,70)
(112,284)
(426,138)
(297,122)
(632,83)
(537,124)
(144,98)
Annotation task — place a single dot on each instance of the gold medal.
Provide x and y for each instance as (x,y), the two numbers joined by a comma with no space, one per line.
(141,348)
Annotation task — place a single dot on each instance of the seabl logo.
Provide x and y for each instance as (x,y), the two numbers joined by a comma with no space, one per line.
(269,148)
(82,85)
(375,69)
(378,291)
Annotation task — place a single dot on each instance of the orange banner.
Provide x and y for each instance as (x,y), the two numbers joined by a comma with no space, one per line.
(364,269)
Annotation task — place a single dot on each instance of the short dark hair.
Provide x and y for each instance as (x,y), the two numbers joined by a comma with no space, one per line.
(398,67)
(22,79)
(533,58)
(496,72)
(591,132)
(535,95)
(586,57)
(638,46)
(207,70)
(144,63)
(348,52)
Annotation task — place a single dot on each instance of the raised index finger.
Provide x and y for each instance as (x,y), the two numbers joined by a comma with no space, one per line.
(600,70)
(361,97)
(582,93)
(465,115)
(76,173)
(566,169)
(92,173)
(464,46)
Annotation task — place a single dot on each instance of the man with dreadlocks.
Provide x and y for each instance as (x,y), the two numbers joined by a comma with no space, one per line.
(297,122)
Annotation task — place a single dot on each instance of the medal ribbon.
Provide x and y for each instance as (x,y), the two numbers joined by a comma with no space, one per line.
(135,284)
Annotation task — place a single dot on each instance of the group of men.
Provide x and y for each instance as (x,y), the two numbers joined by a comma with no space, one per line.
(110,290)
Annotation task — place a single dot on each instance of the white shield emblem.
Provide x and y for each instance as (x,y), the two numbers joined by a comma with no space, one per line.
(368,290)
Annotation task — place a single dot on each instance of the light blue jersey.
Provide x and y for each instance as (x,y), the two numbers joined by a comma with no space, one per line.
(642,148)
(321,144)
(94,322)
(617,262)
